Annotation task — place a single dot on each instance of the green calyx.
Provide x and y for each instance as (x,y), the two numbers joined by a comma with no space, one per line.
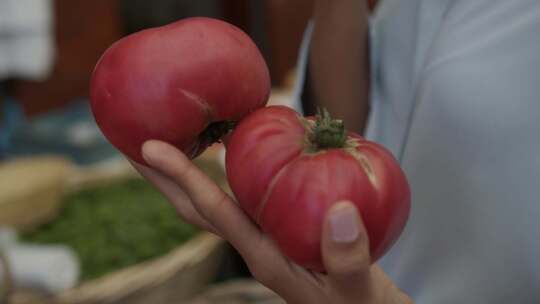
(328,133)
(215,131)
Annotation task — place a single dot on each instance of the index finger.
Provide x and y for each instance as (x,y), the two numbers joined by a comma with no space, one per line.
(176,196)
(208,199)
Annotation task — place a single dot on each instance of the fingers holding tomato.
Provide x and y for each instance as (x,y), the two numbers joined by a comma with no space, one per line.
(188,83)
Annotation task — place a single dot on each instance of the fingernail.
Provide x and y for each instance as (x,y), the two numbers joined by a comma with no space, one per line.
(344,223)
(148,151)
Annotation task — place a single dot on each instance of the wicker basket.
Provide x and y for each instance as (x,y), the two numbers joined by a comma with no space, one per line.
(173,278)
(5,280)
(238,292)
(31,190)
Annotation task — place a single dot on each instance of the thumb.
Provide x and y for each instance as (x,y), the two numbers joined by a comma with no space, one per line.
(345,246)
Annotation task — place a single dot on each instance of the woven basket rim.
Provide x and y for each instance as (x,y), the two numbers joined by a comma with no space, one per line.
(7,280)
(146,275)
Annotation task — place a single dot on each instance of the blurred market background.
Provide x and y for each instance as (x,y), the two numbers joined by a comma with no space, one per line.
(77,224)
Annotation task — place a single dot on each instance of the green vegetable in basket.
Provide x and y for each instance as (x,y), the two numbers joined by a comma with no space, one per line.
(115,226)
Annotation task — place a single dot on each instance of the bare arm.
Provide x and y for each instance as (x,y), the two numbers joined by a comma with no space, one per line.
(338,79)
(338,70)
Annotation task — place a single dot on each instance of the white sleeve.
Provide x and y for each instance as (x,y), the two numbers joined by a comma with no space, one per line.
(472,158)
(501,33)
(483,71)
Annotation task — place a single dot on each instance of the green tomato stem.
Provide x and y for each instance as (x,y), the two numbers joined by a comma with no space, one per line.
(215,131)
(328,133)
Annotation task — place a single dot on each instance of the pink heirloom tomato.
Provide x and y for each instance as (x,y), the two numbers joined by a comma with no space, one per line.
(184,83)
(286,171)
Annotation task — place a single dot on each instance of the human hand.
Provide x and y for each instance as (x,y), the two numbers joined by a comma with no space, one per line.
(350,278)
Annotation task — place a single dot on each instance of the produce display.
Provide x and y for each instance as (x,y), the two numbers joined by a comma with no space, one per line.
(114,226)
(185,83)
(286,171)
(191,82)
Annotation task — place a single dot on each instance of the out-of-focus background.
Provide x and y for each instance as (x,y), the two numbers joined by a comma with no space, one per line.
(77,224)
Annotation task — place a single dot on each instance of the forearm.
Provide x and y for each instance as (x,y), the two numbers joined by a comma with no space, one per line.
(338,62)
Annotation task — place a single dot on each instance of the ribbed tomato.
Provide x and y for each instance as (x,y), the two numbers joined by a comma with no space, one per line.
(181,83)
(286,171)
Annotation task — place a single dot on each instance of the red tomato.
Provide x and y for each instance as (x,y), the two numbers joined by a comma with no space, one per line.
(286,171)
(181,83)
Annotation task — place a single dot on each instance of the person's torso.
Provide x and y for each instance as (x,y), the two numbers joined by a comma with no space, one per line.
(457,100)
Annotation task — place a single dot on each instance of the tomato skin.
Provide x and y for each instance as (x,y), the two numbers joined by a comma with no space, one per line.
(287,188)
(250,164)
(169,83)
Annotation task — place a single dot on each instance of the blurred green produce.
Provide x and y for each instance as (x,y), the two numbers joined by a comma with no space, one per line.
(115,226)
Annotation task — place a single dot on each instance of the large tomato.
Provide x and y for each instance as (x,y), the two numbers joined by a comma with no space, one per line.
(182,83)
(286,171)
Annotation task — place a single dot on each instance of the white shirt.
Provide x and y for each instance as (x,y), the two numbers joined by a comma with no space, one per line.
(456,98)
